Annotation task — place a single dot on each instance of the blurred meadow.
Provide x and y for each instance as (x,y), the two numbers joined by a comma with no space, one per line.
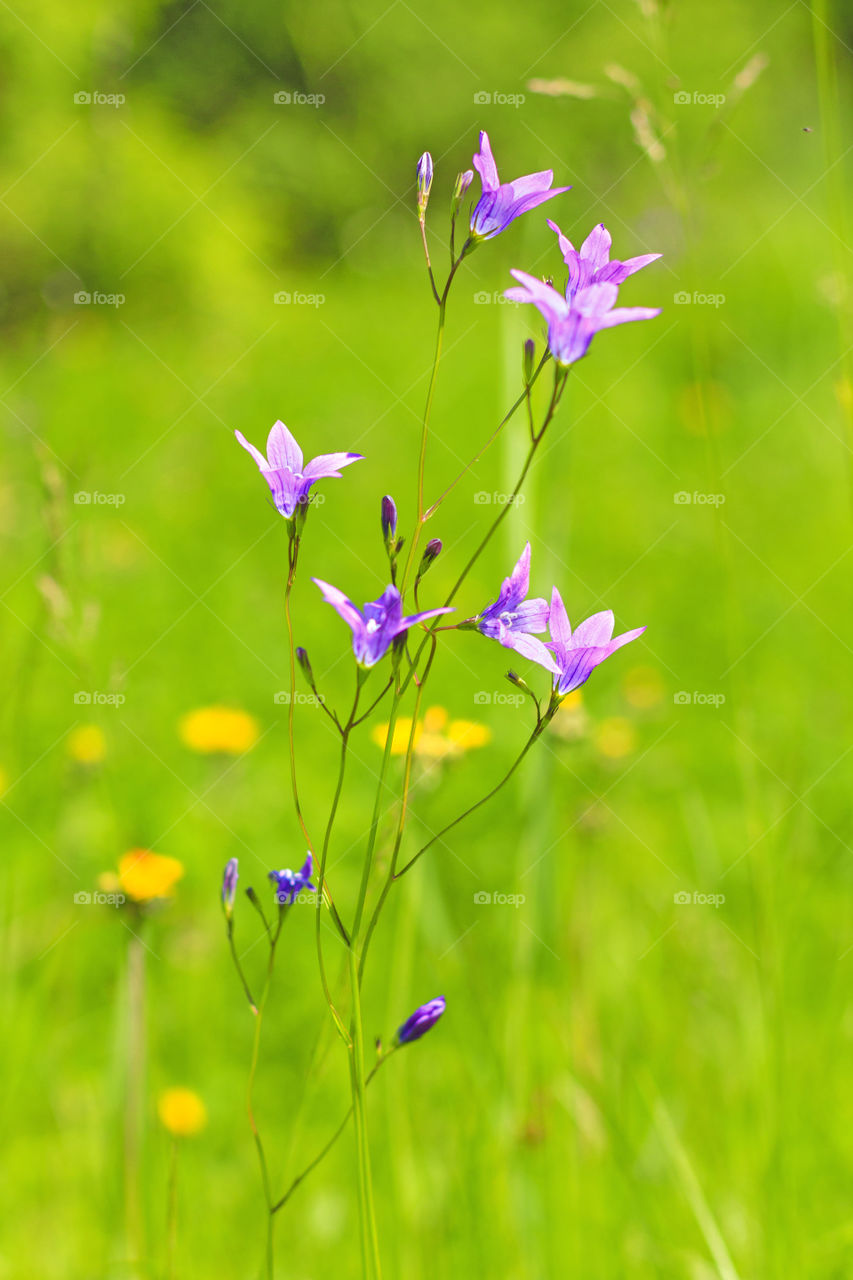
(644,1069)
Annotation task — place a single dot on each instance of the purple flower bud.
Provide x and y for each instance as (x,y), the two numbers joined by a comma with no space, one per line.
(229,885)
(424,182)
(431,552)
(389,519)
(305,667)
(421,1020)
(463,182)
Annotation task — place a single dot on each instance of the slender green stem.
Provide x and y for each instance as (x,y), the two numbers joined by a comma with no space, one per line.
(484,800)
(321,1155)
(250,1088)
(369,1237)
(238,966)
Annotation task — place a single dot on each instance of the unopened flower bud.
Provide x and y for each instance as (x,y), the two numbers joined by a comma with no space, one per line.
(463,182)
(529,355)
(520,683)
(389,519)
(229,886)
(422,1020)
(424,183)
(431,552)
(305,667)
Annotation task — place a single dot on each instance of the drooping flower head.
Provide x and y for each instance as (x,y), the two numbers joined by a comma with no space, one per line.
(511,618)
(289,479)
(229,885)
(574,321)
(377,625)
(289,884)
(578,654)
(591,263)
(422,1020)
(501,203)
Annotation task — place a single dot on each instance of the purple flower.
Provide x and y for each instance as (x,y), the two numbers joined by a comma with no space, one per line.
(511,618)
(421,1020)
(289,480)
(574,321)
(500,204)
(289,883)
(376,625)
(578,654)
(591,264)
(229,885)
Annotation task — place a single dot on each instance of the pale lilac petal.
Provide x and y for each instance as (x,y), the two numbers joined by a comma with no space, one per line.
(558,620)
(250,448)
(595,630)
(484,163)
(542,295)
(596,300)
(534,199)
(287,489)
(564,242)
(326,465)
(282,449)
(532,184)
(622,315)
(579,667)
(340,603)
(625,638)
(596,247)
(415,618)
(630,265)
(514,588)
(530,615)
(530,647)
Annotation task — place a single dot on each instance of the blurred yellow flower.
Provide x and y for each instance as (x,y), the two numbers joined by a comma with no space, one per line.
(181,1112)
(615,738)
(643,687)
(571,721)
(144,875)
(86,744)
(226,729)
(437,737)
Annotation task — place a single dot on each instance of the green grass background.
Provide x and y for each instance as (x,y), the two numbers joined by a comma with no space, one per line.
(622,1085)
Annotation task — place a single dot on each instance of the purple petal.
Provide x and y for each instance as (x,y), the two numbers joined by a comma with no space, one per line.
(564,242)
(341,604)
(532,184)
(250,448)
(484,163)
(282,449)
(530,647)
(596,247)
(326,465)
(596,630)
(534,199)
(414,618)
(625,638)
(623,315)
(558,620)
(530,615)
(596,300)
(287,489)
(515,587)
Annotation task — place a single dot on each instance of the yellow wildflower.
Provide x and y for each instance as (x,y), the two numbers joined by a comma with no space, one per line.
(144,875)
(436,736)
(86,744)
(181,1112)
(225,729)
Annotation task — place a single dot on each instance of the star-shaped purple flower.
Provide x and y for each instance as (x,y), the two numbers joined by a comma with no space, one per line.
(591,264)
(288,478)
(512,617)
(578,654)
(574,321)
(376,626)
(289,884)
(422,1020)
(501,203)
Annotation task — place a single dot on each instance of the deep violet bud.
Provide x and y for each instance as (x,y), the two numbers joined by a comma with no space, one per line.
(421,1021)
(431,552)
(389,519)
(424,183)
(229,886)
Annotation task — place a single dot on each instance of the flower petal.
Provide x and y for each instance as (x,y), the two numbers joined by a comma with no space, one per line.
(341,604)
(595,630)
(326,465)
(530,647)
(250,448)
(484,163)
(558,620)
(623,315)
(596,247)
(282,449)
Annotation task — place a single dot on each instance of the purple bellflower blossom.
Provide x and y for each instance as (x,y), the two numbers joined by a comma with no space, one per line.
(422,1020)
(574,321)
(289,884)
(229,885)
(578,654)
(501,203)
(511,618)
(377,625)
(591,263)
(289,479)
